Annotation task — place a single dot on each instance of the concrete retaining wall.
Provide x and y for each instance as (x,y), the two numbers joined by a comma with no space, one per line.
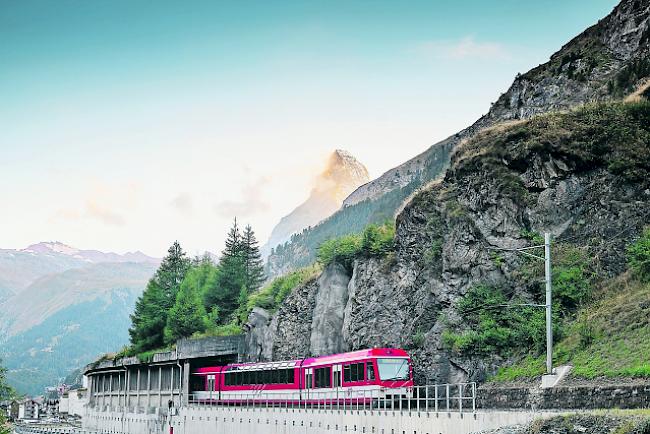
(224,420)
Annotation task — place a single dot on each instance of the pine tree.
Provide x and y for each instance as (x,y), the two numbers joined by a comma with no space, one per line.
(223,297)
(253,264)
(150,316)
(171,273)
(188,315)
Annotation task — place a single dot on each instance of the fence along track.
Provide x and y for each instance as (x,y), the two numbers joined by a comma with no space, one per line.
(458,397)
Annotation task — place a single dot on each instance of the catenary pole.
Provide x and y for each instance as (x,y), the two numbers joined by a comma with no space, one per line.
(549,328)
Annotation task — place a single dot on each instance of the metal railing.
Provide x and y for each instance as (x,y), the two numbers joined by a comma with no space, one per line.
(458,397)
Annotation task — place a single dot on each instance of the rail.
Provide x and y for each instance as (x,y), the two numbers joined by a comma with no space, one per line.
(458,397)
(36,429)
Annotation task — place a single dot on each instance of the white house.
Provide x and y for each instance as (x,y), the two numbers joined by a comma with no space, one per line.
(28,409)
(72,402)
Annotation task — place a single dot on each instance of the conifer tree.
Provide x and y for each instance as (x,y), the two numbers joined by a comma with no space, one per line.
(231,277)
(150,316)
(253,264)
(188,315)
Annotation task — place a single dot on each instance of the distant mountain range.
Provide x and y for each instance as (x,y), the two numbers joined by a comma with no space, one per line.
(63,306)
(21,267)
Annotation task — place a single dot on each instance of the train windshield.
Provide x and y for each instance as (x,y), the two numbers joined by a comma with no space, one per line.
(393,369)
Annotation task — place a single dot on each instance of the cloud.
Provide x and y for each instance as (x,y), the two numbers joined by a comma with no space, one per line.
(251,203)
(96,211)
(183,203)
(101,203)
(464,48)
(92,210)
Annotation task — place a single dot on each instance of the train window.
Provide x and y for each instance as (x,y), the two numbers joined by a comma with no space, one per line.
(353,372)
(370,371)
(308,380)
(323,377)
(211,383)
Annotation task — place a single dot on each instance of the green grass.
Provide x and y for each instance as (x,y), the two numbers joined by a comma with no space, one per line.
(609,338)
(274,293)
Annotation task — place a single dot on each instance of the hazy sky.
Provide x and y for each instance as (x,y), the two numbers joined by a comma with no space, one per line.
(125,125)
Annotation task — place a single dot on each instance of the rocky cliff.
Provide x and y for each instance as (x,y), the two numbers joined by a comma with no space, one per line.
(342,174)
(583,175)
(604,62)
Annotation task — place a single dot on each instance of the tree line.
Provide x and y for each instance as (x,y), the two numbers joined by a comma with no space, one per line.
(6,393)
(188,296)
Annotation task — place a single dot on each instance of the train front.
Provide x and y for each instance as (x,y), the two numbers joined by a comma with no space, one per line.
(395,375)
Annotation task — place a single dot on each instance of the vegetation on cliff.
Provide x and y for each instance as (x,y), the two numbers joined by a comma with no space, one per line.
(273,294)
(374,240)
(503,323)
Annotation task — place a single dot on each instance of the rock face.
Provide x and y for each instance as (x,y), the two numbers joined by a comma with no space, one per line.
(342,174)
(328,313)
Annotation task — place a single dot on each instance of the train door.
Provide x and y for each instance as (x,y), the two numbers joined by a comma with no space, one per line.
(309,382)
(211,387)
(337,376)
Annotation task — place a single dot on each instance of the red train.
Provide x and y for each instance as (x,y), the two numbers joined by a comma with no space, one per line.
(380,373)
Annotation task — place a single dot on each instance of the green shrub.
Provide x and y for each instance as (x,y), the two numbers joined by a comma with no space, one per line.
(433,254)
(343,250)
(418,339)
(638,255)
(378,240)
(494,324)
(535,238)
(274,293)
(375,240)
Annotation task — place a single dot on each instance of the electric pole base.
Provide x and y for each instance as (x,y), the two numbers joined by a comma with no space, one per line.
(552,380)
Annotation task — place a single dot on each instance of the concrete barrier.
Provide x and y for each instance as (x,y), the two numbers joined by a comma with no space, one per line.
(251,420)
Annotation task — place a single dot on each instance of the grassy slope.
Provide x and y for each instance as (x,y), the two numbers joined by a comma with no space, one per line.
(609,338)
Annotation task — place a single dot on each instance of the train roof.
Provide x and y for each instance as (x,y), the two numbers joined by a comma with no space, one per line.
(355,355)
(310,361)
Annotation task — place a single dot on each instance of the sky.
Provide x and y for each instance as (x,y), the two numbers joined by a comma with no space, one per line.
(126,125)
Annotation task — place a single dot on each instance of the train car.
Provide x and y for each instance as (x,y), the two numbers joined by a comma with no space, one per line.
(359,376)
